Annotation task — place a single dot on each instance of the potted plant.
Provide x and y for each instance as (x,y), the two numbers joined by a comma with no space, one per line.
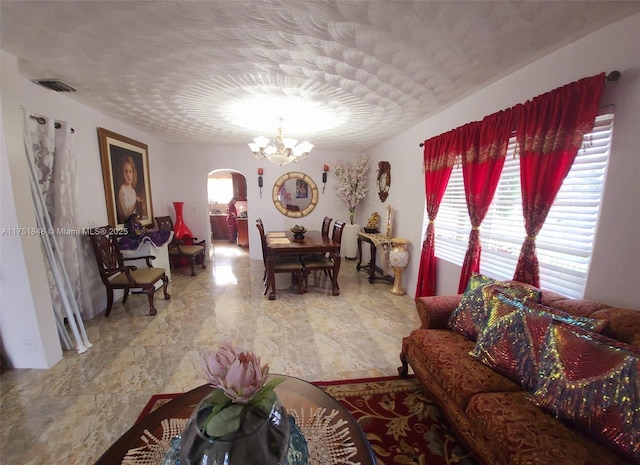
(352,188)
(352,183)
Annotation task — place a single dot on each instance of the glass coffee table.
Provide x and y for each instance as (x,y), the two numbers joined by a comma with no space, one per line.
(300,397)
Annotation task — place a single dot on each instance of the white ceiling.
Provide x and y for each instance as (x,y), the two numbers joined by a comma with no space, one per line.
(176,69)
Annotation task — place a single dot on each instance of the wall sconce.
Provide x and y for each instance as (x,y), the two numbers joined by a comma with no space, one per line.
(260,184)
(325,168)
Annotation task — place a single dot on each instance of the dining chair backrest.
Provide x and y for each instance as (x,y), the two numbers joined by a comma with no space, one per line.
(338,227)
(326,225)
(107,253)
(165,223)
(263,240)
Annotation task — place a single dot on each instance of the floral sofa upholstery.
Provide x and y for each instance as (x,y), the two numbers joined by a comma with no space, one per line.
(516,394)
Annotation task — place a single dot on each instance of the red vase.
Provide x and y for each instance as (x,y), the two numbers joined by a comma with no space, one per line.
(180,229)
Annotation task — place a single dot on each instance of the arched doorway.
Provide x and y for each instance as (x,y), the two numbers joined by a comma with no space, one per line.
(221,187)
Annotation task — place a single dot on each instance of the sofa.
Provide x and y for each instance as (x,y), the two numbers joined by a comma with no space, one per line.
(544,380)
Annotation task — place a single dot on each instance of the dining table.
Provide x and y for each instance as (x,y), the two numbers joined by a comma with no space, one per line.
(284,243)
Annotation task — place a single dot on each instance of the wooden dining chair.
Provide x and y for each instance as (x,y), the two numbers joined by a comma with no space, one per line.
(326,226)
(324,263)
(283,264)
(186,248)
(116,275)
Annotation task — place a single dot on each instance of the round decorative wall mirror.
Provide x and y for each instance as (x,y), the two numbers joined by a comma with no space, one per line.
(295,194)
(384,179)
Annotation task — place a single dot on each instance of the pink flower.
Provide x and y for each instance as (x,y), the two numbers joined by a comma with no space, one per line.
(245,378)
(238,374)
(217,364)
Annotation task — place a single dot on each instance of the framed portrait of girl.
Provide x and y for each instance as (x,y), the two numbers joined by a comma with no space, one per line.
(125,172)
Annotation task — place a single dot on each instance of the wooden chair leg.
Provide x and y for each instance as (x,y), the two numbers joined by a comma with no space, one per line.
(109,301)
(298,277)
(150,291)
(193,266)
(306,274)
(165,287)
(266,284)
(126,296)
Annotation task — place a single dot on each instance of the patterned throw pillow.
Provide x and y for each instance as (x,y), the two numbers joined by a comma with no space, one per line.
(471,315)
(499,303)
(512,344)
(593,382)
(515,333)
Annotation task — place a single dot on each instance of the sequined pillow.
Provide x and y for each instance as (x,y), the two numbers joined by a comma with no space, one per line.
(593,382)
(511,344)
(499,303)
(515,332)
(472,313)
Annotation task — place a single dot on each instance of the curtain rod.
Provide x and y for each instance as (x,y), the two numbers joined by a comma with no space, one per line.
(43,120)
(613,76)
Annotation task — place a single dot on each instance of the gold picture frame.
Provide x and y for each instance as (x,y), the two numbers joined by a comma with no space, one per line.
(125,172)
(287,201)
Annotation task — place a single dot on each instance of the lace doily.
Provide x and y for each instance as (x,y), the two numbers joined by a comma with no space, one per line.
(154,449)
(328,439)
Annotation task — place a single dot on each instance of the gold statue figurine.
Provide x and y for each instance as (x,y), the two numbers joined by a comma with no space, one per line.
(372,223)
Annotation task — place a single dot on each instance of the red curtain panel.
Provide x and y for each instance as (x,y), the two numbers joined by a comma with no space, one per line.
(440,154)
(483,155)
(549,135)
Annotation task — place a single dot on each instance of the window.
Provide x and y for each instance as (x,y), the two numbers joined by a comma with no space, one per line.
(220,190)
(565,243)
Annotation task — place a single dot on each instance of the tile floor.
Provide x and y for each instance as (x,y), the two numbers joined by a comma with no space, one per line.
(71,413)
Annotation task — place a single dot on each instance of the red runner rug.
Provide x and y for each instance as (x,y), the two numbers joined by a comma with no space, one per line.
(403,425)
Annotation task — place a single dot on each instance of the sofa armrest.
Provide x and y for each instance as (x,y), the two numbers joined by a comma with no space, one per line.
(624,325)
(434,311)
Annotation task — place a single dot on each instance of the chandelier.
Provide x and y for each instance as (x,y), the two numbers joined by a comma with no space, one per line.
(280,151)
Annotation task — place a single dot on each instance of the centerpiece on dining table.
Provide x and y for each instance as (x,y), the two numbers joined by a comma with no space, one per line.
(241,422)
(298,232)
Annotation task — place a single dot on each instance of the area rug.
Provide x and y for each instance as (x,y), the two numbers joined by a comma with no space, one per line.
(402,423)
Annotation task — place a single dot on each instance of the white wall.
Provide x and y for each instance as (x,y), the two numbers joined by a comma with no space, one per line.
(179,172)
(614,277)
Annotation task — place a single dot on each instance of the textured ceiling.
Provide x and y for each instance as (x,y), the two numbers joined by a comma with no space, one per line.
(177,69)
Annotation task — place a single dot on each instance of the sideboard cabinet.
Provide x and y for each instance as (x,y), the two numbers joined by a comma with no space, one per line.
(219,227)
(243,232)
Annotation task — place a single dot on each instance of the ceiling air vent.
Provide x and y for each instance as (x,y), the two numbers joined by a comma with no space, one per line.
(55,84)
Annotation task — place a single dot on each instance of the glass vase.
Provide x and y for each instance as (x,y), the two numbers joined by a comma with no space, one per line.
(260,440)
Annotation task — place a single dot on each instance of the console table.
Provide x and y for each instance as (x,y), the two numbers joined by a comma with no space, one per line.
(374,240)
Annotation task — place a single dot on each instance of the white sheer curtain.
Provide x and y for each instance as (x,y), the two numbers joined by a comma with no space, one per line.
(55,163)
